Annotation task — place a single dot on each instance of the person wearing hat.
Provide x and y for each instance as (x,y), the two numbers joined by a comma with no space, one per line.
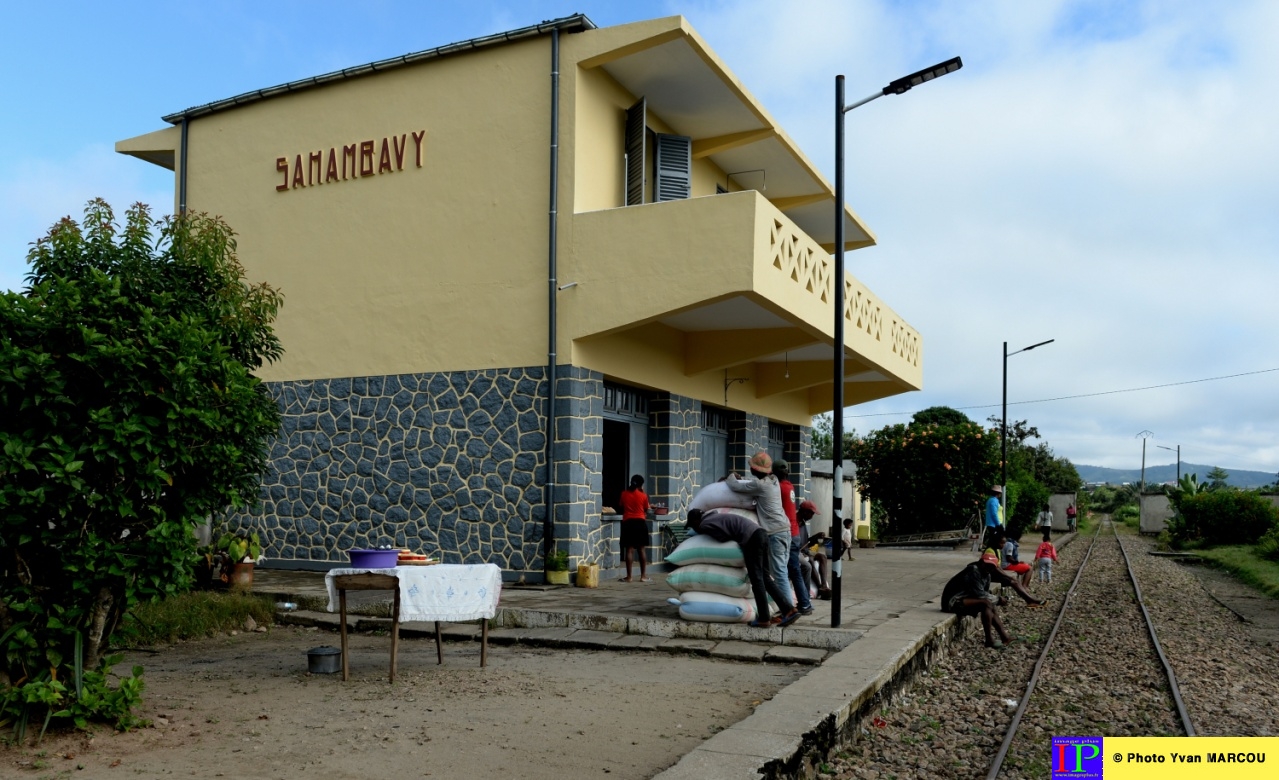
(994,508)
(768,507)
(814,566)
(968,593)
(729,527)
(798,532)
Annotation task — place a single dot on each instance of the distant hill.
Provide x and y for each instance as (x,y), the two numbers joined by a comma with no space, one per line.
(1168,473)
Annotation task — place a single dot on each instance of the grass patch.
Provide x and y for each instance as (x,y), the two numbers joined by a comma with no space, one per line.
(195,615)
(1247,566)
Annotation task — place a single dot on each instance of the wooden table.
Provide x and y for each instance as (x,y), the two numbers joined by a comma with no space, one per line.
(343,580)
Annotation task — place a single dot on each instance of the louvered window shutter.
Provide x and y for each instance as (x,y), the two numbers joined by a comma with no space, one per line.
(636,133)
(674,163)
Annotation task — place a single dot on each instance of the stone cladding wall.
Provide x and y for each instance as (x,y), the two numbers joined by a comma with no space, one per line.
(579,462)
(451,462)
(799,456)
(456,463)
(674,442)
(748,434)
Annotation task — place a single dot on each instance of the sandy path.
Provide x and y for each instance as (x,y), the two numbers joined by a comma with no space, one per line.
(243,706)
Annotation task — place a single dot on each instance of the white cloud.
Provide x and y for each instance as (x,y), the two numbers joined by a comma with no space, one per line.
(1103,178)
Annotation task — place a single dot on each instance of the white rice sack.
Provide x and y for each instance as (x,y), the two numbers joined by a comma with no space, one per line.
(717,495)
(710,578)
(749,514)
(716,608)
(700,548)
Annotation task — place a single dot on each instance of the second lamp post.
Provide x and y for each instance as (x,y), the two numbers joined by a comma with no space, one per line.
(1003,437)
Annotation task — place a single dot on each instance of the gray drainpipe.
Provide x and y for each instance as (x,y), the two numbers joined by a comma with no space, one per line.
(182,174)
(548,525)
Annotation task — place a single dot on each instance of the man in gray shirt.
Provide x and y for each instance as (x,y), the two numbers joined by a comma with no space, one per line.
(728,527)
(772,516)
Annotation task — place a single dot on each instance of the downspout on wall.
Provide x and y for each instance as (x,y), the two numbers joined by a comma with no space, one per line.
(548,527)
(182,170)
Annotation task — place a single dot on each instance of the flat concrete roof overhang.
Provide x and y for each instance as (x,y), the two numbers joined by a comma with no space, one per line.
(685,83)
(729,287)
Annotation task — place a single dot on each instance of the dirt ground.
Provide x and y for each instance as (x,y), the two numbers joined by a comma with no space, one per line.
(244,706)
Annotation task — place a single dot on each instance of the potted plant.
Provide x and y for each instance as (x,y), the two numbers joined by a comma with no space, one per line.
(235,554)
(557,568)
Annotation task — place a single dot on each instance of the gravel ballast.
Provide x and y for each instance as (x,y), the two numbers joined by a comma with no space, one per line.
(1102,677)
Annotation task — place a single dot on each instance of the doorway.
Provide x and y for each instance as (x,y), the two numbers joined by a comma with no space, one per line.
(625,445)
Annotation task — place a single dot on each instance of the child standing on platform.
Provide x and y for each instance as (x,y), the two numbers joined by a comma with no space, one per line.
(1044,557)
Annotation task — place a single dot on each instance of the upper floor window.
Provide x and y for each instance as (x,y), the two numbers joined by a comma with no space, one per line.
(672,160)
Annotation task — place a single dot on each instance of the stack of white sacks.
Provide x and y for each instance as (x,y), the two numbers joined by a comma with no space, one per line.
(711,578)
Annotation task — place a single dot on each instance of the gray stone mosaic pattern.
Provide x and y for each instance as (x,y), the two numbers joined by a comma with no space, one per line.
(456,463)
(579,463)
(449,462)
(674,439)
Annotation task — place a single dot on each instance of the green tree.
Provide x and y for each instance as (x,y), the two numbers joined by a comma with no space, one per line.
(1217,478)
(928,477)
(128,412)
(1056,474)
(1034,474)
(939,415)
(822,435)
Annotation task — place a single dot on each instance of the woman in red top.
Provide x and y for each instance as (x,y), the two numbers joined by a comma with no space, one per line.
(635,532)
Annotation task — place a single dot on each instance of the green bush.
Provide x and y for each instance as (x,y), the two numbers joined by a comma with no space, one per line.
(1223,517)
(1268,544)
(1026,498)
(1128,515)
(128,413)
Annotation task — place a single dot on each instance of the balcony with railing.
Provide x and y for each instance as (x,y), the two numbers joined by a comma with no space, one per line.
(741,286)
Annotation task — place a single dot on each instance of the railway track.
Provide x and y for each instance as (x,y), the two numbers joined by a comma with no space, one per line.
(1100,676)
(1090,664)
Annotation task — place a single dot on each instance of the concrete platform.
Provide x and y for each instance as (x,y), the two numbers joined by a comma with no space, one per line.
(891,625)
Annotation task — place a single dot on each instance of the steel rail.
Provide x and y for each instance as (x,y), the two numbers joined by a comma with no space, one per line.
(998,761)
(1163,659)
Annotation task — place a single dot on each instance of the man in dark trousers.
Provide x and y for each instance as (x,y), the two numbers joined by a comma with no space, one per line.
(968,593)
(728,527)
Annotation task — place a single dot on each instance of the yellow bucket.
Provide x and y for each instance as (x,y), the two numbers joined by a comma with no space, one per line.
(588,575)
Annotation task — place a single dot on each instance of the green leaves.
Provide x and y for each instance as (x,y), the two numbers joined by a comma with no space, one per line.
(926,477)
(128,412)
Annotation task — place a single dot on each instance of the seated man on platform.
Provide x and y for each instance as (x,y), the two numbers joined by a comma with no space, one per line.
(968,593)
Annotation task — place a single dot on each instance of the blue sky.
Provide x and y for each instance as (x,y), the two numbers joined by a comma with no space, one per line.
(1100,173)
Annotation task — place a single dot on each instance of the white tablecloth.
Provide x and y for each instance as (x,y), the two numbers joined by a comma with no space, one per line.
(449,592)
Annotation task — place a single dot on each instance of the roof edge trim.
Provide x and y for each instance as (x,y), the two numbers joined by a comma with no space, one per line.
(575,23)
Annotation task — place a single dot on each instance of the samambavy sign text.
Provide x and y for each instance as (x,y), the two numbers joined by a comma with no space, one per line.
(343,163)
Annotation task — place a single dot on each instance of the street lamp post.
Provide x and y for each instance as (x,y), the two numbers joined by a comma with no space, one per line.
(1143,436)
(897,87)
(1003,436)
(1178,451)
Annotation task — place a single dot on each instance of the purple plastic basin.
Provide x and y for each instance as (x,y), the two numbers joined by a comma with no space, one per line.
(374,559)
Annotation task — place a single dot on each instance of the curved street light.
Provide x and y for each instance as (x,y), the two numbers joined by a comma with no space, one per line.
(897,87)
(1178,451)
(1003,436)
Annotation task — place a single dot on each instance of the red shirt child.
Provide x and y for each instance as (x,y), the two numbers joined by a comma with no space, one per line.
(1046,550)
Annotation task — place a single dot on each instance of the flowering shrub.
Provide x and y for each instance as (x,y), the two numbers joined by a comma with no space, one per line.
(926,477)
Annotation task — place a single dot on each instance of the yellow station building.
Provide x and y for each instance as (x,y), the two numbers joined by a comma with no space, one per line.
(610,207)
